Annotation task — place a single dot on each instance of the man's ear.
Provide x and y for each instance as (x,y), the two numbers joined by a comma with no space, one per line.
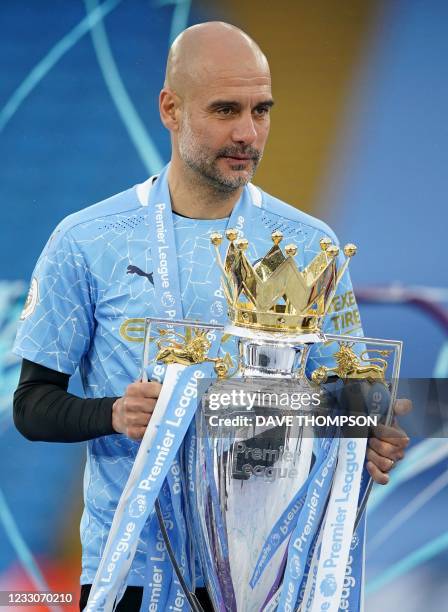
(169,107)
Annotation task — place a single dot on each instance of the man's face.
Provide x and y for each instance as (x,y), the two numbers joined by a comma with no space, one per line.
(223,130)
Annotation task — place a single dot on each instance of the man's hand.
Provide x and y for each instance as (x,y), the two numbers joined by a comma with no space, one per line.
(386,445)
(131,413)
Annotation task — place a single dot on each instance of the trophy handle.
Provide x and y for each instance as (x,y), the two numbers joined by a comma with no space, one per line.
(396,348)
(351,366)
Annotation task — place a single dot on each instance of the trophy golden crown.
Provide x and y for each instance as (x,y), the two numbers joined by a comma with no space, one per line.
(272,294)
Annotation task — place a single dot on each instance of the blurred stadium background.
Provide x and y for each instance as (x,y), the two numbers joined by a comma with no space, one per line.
(358,138)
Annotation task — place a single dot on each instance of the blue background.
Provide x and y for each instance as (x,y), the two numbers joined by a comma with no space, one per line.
(65,145)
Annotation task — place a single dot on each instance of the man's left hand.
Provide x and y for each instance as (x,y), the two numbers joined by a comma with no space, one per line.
(386,445)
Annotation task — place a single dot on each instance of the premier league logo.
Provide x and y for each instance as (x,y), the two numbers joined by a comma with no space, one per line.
(296,568)
(167,299)
(355,541)
(137,506)
(328,585)
(217,308)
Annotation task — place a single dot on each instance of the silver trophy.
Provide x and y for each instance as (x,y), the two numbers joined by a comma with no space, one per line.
(252,452)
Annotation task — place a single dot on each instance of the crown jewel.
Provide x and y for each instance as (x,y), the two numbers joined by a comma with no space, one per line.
(272,294)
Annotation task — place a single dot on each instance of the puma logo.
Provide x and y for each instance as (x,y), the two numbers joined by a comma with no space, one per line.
(135,270)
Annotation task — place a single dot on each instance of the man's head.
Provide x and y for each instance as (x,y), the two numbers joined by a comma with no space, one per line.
(215,102)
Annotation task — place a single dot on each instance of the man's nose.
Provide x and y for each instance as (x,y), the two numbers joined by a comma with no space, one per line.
(244,129)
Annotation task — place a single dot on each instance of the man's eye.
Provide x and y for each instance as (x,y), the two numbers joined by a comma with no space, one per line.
(261,111)
(225,110)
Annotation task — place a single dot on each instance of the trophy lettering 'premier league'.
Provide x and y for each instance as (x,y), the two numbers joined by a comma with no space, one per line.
(250,471)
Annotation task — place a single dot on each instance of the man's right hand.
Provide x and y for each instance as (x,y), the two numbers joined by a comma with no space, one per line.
(131,413)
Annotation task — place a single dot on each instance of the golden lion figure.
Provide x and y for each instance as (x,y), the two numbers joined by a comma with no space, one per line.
(349,365)
(188,350)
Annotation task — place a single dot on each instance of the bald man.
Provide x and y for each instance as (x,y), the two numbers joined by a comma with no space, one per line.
(101,273)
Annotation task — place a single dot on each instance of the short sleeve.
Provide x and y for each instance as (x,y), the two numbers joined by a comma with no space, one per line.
(57,320)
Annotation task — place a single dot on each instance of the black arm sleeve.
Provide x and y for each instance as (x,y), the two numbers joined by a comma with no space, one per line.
(44,411)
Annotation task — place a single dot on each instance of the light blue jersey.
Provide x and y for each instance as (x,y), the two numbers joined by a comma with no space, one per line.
(90,291)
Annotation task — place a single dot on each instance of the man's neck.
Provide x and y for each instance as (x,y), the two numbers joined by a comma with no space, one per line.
(191,197)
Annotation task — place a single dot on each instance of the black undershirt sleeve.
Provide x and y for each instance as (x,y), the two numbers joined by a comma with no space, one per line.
(45,411)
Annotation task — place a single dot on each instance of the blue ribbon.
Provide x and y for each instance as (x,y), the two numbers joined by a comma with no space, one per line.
(354,573)
(168,295)
(288,520)
(158,564)
(308,525)
(120,549)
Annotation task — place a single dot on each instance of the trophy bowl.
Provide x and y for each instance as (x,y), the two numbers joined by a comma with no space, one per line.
(251,461)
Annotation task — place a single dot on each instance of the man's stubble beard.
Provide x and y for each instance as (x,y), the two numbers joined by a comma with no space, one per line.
(203,162)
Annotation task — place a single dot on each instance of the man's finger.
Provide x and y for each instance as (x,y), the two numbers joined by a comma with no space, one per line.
(392,434)
(386,449)
(136,433)
(402,407)
(144,389)
(147,405)
(136,405)
(382,463)
(377,474)
(139,419)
